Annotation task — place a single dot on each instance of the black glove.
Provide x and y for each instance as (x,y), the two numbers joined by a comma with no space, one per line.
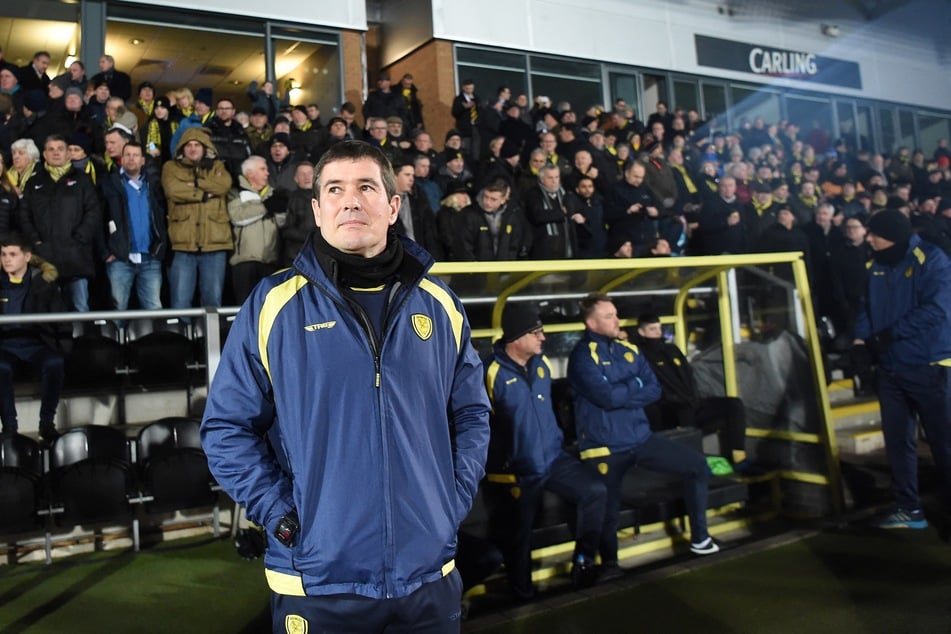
(276,204)
(861,358)
(249,542)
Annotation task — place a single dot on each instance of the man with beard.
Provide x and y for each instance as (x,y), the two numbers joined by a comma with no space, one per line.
(586,209)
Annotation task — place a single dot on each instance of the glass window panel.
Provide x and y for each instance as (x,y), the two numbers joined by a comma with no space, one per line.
(864,128)
(483,57)
(749,103)
(623,86)
(565,68)
(814,118)
(714,105)
(906,126)
(932,128)
(686,96)
(886,121)
(310,70)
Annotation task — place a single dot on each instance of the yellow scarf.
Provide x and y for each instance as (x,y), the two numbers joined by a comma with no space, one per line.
(57,173)
(147,107)
(761,207)
(19,180)
(687,180)
(810,201)
(307,125)
(90,169)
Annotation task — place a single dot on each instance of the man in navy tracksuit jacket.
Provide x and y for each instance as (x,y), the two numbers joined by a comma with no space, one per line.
(906,322)
(527,455)
(349,416)
(612,382)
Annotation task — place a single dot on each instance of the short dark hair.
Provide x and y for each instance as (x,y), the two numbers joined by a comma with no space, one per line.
(133,144)
(355,151)
(588,303)
(499,185)
(348,106)
(647,318)
(16,239)
(54,138)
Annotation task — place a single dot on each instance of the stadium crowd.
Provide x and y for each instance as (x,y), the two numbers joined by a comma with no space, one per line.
(183,190)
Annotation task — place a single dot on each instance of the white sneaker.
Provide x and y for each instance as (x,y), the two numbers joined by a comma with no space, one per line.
(708,546)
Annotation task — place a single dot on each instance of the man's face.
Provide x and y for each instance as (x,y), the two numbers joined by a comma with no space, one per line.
(74,103)
(550,179)
(384,84)
(808,188)
(603,320)
(395,128)
(468,89)
(76,152)
(537,162)
(727,188)
(7,80)
(146,94)
(548,143)
(115,142)
(304,176)
(279,152)
(299,118)
(14,261)
(454,142)
(104,64)
(651,331)
(76,72)
(583,160)
(347,116)
(585,188)
(529,344)
(378,130)
(404,179)
(111,107)
(41,63)
(786,218)
(338,129)
(658,130)
(634,175)
(102,93)
(132,160)
(422,168)
(257,175)
(423,142)
(855,231)
(493,201)
(354,212)
(202,108)
(194,151)
(313,112)
(258,121)
(823,216)
(224,111)
(597,140)
(455,166)
(55,154)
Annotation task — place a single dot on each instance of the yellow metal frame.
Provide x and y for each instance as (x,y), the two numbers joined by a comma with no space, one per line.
(614,273)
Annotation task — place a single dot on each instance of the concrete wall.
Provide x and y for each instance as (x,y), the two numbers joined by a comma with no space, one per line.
(344,14)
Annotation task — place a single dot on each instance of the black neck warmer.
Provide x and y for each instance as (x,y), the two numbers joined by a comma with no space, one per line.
(347,269)
(892,255)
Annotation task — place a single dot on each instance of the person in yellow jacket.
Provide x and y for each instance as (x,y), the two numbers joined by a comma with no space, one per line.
(196,185)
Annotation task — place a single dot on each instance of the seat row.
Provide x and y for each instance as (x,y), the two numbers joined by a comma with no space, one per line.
(94,475)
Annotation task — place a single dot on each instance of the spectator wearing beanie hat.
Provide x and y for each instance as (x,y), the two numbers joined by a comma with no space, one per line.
(526,455)
(904,325)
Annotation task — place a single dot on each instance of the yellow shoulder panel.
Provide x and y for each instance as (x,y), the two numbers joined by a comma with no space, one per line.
(274,301)
(445,300)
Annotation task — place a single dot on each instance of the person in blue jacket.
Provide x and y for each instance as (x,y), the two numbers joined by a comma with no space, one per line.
(349,416)
(527,455)
(904,323)
(612,382)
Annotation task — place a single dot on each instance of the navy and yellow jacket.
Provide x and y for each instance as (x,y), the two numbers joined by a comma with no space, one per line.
(379,447)
(611,382)
(525,438)
(911,302)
